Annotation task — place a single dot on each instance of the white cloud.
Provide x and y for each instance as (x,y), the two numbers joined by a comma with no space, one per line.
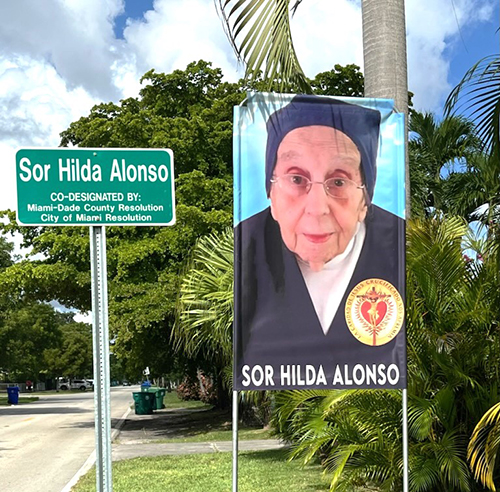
(35,106)
(8,177)
(326,33)
(179,32)
(433,28)
(75,36)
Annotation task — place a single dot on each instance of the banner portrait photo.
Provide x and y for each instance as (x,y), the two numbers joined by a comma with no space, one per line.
(319,216)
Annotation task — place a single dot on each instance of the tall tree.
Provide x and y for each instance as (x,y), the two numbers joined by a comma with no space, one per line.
(26,331)
(73,358)
(189,111)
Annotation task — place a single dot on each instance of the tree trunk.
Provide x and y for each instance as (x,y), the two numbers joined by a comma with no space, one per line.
(384,50)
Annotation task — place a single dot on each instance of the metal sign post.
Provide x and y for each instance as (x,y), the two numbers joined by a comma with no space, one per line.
(405,440)
(100,336)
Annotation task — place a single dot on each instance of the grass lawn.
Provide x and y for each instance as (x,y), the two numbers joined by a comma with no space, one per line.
(22,399)
(262,471)
(223,434)
(172,401)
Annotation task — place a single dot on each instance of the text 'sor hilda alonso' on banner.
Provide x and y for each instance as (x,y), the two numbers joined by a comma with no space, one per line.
(319,243)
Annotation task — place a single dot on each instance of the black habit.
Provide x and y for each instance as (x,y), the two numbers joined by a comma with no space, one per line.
(275,320)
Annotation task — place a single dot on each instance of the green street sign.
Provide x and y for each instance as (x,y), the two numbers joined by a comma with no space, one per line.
(82,186)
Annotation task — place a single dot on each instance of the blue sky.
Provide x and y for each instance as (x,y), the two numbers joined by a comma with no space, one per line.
(474,44)
(60,57)
(133,9)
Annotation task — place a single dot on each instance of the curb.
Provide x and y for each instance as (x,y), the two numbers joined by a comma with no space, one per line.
(91,459)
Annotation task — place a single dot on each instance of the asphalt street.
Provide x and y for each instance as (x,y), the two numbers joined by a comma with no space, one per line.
(43,444)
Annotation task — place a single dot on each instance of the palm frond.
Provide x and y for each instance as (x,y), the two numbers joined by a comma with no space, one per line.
(483,447)
(205,304)
(259,31)
(453,467)
(479,93)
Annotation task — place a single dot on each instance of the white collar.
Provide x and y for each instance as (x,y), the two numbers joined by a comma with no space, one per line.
(326,287)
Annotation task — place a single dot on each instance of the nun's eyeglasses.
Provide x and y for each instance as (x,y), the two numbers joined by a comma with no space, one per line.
(296,185)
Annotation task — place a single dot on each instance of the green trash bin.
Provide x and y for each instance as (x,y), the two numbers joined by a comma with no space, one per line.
(144,403)
(159,393)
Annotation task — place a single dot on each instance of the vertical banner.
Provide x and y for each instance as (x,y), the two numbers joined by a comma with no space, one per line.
(319,243)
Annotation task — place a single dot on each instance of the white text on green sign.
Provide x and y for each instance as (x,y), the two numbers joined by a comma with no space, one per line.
(95,186)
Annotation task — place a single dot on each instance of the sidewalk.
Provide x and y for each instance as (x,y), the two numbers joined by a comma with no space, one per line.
(138,434)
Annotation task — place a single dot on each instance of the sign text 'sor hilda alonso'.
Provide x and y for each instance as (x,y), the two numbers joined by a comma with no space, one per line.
(95,186)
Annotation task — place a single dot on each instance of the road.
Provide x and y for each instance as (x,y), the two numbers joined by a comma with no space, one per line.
(43,444)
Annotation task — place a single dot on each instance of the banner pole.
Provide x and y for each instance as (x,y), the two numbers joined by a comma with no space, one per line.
(235,441)
(405,440)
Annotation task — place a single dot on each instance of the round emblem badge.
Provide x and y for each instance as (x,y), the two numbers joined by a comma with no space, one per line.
(374,312)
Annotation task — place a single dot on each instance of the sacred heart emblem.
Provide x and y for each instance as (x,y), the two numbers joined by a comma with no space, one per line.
(373,312)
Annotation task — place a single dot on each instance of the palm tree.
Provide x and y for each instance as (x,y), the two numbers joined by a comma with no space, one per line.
(205,306)
(475,193)
(479,93)
(436,148)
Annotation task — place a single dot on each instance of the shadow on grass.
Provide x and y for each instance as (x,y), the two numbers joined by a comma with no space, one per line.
(179,423)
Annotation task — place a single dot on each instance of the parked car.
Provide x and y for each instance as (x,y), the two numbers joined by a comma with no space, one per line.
(81,384)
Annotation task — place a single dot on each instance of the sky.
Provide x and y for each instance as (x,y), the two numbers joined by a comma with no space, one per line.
(60,57)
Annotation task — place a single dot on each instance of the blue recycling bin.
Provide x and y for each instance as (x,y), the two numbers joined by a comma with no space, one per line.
(145,386)
(13,395)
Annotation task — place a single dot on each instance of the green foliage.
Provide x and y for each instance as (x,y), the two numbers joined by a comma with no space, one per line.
(73,358)
(205,308)
(206,299)
(6,249)
(27,332)
(340,81)
(435,149)
(188,111)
